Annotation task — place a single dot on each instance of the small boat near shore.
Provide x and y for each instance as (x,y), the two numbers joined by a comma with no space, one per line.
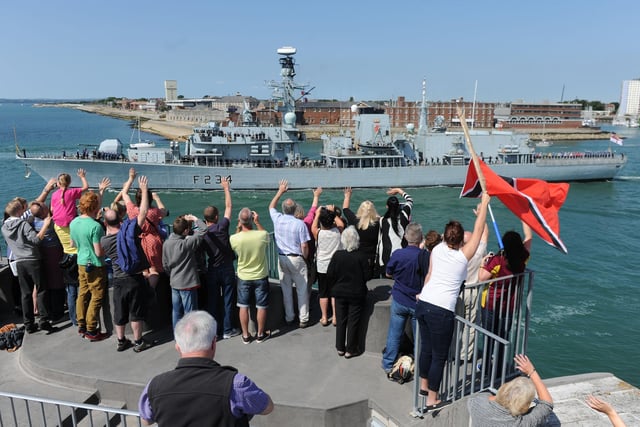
(256,156)
(544,143)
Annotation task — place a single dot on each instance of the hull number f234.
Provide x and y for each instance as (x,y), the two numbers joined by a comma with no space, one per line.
(209,179)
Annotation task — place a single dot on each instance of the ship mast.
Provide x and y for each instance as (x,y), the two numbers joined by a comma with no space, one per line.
(284,91)
(422,124)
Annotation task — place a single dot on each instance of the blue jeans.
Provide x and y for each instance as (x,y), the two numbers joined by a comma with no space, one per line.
(397,321)
(183,302)
(72,296)
(221,280)
(436,333)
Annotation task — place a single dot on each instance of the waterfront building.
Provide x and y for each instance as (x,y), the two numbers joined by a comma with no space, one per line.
(477,114)
(551,115)
(629,109)
(401,113)
(170,90)
(630,98)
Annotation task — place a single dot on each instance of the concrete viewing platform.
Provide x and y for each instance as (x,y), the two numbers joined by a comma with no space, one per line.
(308,382)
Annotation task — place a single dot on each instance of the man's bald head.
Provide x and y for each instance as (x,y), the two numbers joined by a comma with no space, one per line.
(111,218)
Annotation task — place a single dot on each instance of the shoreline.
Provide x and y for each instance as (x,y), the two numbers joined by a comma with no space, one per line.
(154,122)
(151,122)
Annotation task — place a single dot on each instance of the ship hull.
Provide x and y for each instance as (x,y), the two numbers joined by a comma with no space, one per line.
(198,178)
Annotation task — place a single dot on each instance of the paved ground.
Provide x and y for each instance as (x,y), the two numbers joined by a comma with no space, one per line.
(299,368)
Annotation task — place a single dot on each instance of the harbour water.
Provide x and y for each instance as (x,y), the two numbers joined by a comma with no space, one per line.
(586,307)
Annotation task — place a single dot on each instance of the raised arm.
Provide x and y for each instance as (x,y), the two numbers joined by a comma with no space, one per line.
(347,198)
(156,198)
(256,221)
(528,236)
(124,193)
(469,249)
(283,187)
(524,365)
(104,184)
(228,206)
(50,185)
(82,174)
(144,201)
(45,226)
(315,229)
(607,409)
(339,223)
(316,197)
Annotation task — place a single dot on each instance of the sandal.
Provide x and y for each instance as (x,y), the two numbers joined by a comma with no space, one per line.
(324,322)
(436,406)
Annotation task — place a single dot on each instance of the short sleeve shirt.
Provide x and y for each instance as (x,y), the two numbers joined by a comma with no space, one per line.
(63,213)
(84,233)
(290,232)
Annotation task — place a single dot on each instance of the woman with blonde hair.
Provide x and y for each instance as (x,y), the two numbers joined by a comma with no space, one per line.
(367,223)
(511,406)
(63,207)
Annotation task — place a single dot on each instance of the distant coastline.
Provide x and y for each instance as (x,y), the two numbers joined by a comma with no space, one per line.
(156,123)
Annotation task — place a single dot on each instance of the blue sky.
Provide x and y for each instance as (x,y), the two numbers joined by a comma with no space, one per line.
(366,50)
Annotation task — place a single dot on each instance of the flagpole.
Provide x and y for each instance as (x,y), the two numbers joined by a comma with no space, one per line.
(476,163)
(495,228)
(474,156)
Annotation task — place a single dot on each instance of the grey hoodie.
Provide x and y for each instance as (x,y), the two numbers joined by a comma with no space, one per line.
(22,239)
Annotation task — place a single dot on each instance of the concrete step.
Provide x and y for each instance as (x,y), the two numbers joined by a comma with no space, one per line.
(14,380)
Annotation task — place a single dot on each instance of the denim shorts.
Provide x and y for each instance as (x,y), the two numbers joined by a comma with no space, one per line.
(260,288)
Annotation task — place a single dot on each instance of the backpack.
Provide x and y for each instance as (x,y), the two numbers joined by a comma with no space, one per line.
(131,257)
(402,370)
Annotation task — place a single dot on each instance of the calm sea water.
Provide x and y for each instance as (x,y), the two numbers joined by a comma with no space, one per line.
(586,312)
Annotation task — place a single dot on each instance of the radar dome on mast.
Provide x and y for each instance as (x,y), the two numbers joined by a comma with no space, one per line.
(290,119)
(287,50)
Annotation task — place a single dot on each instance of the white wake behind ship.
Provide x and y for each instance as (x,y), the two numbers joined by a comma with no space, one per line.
(255,156)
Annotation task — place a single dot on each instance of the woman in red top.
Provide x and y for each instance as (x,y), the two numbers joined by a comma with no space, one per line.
(499,302)
(150,238)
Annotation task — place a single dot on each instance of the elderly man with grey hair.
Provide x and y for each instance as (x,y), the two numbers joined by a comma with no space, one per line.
(347,277)
(407,267)
(292,237)
(200,392)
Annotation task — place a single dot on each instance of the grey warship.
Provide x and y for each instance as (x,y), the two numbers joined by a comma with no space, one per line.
(255,156)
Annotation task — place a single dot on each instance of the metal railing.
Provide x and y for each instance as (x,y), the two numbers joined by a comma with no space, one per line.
(272,257)
(491,327)
(21,410)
